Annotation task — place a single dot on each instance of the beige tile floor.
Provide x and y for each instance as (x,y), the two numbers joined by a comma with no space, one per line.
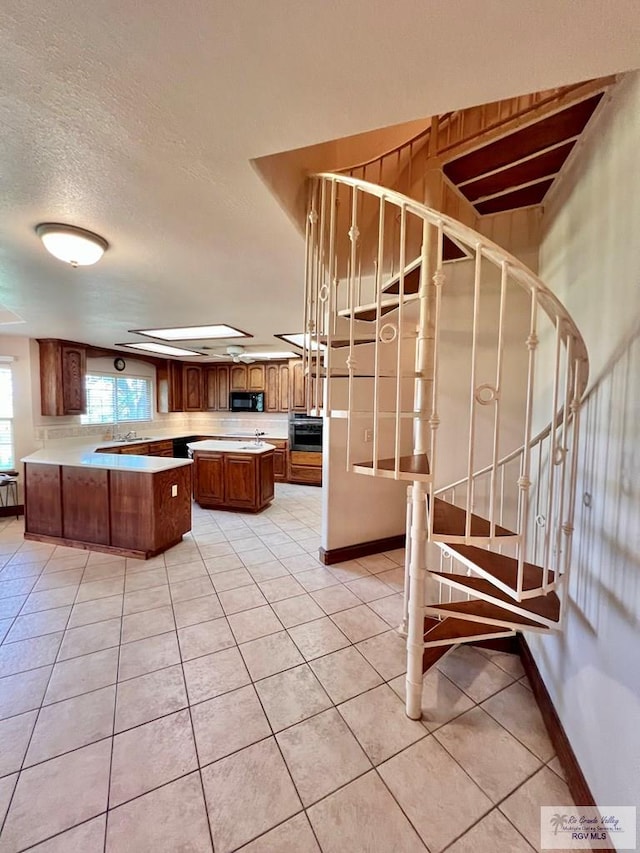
(236,694)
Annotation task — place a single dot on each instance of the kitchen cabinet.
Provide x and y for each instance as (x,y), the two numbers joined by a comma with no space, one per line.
(238,377)
(210,389)
(63,369)
(272,388)
(208,483)
(134,511)
(233,480)
(223,379)
(298,390)
(283,391)
(255,377)
(192,388)
(169,387)
(161,448)
(135,450)
(305,467)
(277,387)
(43,507)
(280,459)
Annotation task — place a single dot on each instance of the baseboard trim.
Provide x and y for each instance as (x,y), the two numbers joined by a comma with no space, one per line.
(576,782)
(8,511)
(362,549)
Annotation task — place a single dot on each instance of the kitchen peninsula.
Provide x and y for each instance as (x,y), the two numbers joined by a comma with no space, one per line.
(232,475)
(134,506)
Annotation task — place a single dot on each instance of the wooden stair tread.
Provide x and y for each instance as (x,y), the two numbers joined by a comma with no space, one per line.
(502,567)
(342,343)
(461,630)
(450,520)
(450,252)
(546,606)
(368,313)
(414,464)
(486,612)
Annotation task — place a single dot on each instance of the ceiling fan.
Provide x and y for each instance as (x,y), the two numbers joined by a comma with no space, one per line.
(235,352)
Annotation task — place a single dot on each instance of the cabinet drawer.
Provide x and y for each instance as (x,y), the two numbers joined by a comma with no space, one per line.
(135,450)
(161,448)
(303,457)
(301,474)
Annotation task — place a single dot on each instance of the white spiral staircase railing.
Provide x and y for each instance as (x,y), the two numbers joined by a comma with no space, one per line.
(418,327)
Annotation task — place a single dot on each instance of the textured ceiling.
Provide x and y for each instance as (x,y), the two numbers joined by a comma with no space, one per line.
(140,121)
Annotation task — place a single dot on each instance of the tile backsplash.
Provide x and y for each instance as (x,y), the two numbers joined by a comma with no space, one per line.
(195,422)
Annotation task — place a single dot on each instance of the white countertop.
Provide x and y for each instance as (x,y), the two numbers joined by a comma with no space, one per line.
(230,446)
(87,458)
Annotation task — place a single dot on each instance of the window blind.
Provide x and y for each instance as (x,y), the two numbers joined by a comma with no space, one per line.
(117,399)
(6,418)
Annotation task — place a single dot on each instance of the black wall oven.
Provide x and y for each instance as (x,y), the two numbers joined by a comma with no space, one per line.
(246,401)
(305,433)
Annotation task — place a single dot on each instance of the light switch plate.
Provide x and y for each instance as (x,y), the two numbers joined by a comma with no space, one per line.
(174,490)
(368,435)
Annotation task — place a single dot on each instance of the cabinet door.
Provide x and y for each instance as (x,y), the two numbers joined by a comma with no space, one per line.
(255,377)
(223,388)
(240,476)
(176,397)
(209,480)
(74,369)
(238,377)
(211,389)
(43,499)
(272,388)
(298,386)
(279,464)
(284,403)
(192,388)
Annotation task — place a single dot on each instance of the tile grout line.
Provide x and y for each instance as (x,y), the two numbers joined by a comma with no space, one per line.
(113,724)
(39,709)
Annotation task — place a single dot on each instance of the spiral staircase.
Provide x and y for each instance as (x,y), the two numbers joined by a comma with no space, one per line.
(466,373)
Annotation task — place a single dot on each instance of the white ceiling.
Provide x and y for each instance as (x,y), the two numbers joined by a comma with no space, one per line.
(139,121)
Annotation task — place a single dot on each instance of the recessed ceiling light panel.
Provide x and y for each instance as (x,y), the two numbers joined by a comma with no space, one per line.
(193,333)
(274,355)
(162,349)
(75,246)
(298,339)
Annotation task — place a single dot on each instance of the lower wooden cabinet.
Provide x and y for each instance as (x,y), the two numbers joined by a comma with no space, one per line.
(127,512)
(305,468)
(233,480)
(161,448)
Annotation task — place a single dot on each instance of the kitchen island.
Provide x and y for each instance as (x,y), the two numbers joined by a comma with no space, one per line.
(233,475)
(134,506)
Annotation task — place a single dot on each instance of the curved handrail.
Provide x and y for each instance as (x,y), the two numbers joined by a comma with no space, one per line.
(549,302)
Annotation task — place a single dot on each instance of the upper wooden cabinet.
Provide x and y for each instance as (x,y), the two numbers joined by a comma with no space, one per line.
(223,387)
(63,369)
(210,389)
(255,377)
(192,388)
(238,377)
(169,387)
(276,387)
(297,390)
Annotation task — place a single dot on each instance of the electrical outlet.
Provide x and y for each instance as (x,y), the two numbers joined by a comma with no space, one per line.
(368,435)
(174,490)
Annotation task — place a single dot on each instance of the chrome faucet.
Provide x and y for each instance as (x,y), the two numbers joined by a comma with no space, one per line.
(258,437)
(131,434)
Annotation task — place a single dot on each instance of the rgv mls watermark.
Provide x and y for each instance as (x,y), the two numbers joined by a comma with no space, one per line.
(586,827)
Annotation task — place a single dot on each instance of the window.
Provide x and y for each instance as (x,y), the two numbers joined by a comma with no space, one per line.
(6,418)
(117,399)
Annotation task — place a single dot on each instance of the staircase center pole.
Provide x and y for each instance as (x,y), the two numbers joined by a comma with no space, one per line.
(423,401)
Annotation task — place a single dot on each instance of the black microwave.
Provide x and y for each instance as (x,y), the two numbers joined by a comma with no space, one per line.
(246,401)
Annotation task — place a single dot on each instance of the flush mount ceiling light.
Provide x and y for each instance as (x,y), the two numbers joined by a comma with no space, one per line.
(75,246)
(163,349)
(298,340)
(193,333)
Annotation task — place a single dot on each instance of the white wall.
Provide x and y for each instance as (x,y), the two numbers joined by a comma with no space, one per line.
(23,431)
(590,256)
